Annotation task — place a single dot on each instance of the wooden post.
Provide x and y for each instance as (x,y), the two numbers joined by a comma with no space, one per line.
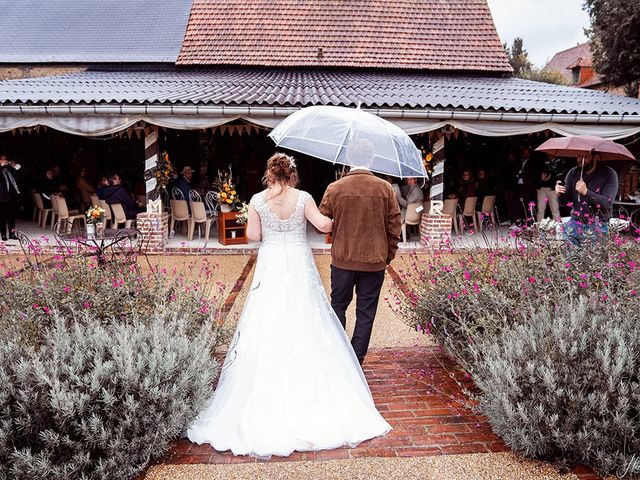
(154,222)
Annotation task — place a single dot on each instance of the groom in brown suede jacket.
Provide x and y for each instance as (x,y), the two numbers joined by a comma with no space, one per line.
(366,232)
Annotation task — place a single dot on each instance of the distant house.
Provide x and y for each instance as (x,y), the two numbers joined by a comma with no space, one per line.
(576,66)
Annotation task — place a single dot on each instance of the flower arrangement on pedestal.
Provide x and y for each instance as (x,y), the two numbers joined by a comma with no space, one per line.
(243,214)
(226,189)
(164,172)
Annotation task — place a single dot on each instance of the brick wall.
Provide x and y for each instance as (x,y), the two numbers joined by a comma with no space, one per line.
(155,228)
(435,230)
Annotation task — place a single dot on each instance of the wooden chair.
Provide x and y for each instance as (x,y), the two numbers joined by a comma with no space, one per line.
(469,210)
(119,217)
(411,217)
(54,210)
(199,215)
(43,213)
(67,217)
(108,216)
(179,213)
(450,208)
(487,211)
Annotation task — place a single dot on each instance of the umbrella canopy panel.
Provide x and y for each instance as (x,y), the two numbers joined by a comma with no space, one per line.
(575,146)
(348,136)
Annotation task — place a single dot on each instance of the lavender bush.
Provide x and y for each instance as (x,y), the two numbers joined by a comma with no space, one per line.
(100,368)
(502,314)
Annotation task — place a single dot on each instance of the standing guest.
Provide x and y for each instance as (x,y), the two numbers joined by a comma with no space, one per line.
(589,188)
(547,194)
(9,196)
(85,189)
(527,181)
(184,182)
(116,193)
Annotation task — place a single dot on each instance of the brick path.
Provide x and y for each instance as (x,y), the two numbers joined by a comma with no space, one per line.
(415,393)
(417,390)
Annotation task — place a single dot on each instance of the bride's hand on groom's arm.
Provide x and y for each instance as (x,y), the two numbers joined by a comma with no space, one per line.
(317,219)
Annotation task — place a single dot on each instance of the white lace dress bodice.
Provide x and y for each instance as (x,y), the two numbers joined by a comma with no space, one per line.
(290,380)
(279,232)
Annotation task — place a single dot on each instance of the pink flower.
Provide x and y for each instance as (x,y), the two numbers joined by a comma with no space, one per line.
(467,275)
(86,304)
(567,265)
(633,293)
(66,289)
(35,306)
(569,204)
(532,280)
(46,310)
(582,285)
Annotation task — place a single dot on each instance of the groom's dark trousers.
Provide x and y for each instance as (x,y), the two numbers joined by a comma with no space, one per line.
(367,286)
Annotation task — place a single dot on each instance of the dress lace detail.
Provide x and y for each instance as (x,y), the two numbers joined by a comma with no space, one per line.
(291,380)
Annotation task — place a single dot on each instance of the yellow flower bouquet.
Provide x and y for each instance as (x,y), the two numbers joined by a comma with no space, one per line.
(95,214)
(226,189)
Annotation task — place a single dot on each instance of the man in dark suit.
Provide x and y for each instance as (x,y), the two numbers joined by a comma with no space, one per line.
(366,232)
(9,196)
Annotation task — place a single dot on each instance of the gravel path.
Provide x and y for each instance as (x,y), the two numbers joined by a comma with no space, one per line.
(484,466)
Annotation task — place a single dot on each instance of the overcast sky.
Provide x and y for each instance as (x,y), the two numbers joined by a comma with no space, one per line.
(546,26)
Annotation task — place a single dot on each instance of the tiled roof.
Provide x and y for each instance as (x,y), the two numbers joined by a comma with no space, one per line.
(273,87)
(451,35)
(86,31)
(562,61)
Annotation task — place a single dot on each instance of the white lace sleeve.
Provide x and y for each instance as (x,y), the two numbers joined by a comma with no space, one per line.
(257,203)
(304,196)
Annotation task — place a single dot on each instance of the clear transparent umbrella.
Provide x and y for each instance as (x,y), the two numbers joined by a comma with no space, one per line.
(350,136)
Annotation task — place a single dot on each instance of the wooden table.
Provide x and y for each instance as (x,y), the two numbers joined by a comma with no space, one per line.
(230,232)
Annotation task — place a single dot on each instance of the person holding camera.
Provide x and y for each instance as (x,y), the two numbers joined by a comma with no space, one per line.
(590,189)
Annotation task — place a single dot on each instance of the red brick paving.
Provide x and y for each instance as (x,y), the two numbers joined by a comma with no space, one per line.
(415,392)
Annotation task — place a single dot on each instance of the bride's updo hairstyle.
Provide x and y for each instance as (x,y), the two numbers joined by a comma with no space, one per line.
(281,168)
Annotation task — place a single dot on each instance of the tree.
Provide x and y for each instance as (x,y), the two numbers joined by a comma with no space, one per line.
(523,68)
(543,75)
(518,57)
(615,41)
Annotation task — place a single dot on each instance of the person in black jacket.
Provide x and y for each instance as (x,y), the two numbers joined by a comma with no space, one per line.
(116,193)
(9,196)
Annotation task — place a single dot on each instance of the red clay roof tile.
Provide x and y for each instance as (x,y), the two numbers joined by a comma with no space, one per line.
(417,34)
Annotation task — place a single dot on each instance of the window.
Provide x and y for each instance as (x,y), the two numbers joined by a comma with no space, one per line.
(575,75)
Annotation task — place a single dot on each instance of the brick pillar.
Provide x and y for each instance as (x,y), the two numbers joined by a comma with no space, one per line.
(435,230)
(155,229)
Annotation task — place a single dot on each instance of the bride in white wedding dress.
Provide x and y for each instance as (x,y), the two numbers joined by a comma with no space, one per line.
(290,381)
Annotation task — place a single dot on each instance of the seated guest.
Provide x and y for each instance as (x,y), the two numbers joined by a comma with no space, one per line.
(116,193)
(414,195)
(467,188)
(184,182)
(102,185)
(48,186)
(85,189)
(395,186)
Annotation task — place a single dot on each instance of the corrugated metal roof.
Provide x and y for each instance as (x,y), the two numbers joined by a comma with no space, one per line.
(85,31)
(453,35)
(302,88)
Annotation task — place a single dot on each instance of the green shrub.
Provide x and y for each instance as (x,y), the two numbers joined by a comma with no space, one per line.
(100,401)
(100,368)
(565,385)
(548,333)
